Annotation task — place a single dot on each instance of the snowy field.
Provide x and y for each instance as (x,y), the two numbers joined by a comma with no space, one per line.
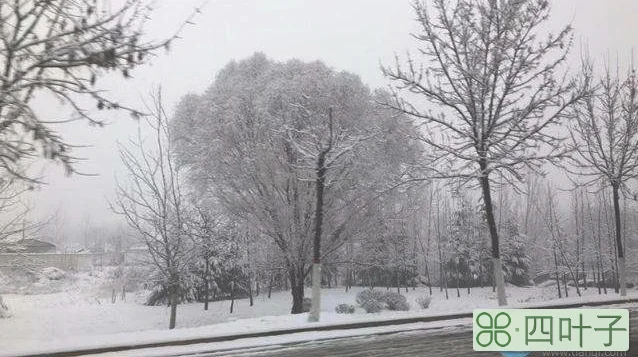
(80,311)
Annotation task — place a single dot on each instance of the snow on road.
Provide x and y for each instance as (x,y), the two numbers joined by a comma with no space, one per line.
(272,342)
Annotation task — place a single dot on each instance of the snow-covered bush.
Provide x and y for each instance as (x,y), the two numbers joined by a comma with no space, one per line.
(371,300)
(345,309)
(368,294)
(424,301)
(53,273)
(159,295)
(395,301)
(4,310)
(306,304)
(372,306)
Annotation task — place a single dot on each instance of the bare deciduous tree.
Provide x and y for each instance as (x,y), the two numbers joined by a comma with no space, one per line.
(60,48)
(324,151)
(153,204)
(604,135)
(14,224)
(495,92)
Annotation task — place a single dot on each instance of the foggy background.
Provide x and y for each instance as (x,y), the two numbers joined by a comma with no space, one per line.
(352,35)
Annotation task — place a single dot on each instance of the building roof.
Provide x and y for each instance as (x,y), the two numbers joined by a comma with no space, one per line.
(27,246)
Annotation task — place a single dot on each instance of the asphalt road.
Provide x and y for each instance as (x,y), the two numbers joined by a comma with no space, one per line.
(451,342)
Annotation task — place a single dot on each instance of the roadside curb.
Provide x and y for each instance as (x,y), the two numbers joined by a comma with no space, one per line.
(345,326)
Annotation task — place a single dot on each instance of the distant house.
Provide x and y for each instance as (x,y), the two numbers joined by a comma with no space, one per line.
(28,246)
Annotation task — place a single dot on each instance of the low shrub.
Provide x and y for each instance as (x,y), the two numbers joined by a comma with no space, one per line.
(372,305)
(395,301)
(368,294)
(345,309)
(4,310)
(424,301)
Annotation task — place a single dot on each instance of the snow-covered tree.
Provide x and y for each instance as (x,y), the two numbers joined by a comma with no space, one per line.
(255,150)
(463,244)
(516,259)
(494,88)
(61,48)
(153,203)
(604,136)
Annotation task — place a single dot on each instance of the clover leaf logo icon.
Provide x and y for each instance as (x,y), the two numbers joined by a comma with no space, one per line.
(493,329)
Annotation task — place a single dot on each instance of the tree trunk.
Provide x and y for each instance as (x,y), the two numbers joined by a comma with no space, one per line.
(491,223)
(604,279)
(315,309)
(232,296)
(347,279)
(286,287)
(297,291)
(492,280)
(320,171)
(257,284)
(584,275)
(250,291)
(458,280)
(556,272)
(173,296)
(601,270)
(427,274)
(352,278)
(447,295)
(619,243)
(405,279)
(173,318)
(297,299)
(582,221)
(442,272)
(272,275)
(598,281)
(206,284)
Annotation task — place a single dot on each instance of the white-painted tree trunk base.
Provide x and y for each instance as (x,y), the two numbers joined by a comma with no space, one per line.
(500,282)
(315,309)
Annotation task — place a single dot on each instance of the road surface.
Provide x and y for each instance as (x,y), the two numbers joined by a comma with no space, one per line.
(450,342)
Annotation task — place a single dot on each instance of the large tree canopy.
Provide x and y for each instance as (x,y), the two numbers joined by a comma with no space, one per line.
(253,138)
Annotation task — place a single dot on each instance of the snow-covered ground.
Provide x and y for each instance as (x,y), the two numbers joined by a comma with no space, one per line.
(82,314)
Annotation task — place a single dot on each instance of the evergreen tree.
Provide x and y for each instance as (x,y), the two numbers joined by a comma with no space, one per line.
(516,261)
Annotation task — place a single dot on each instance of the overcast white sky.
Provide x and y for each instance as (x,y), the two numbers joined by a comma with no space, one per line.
(352,35)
